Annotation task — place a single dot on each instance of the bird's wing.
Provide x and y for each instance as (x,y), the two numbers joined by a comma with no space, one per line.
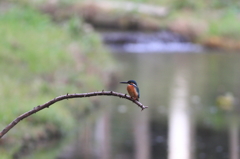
(138,92)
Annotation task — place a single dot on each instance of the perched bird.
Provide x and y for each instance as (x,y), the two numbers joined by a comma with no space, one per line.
(132,89)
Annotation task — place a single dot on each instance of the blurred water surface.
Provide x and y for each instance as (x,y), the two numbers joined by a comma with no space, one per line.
(190,83)
(182,119)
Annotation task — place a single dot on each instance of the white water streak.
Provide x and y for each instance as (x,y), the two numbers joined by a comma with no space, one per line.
(179,120)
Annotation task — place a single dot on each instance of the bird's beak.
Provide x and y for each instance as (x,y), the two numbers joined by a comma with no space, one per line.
(124,82)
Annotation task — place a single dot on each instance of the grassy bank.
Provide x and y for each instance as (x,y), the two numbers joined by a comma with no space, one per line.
(40,60)
(221,17)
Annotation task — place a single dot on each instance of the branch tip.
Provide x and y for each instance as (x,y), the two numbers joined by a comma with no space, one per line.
(144,107)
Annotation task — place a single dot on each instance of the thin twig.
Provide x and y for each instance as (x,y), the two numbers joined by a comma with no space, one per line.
(67,96)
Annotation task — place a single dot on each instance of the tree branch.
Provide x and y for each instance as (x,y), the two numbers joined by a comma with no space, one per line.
(67,96)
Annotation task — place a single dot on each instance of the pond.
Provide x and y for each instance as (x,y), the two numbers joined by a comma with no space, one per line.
(181,91)
(183,119)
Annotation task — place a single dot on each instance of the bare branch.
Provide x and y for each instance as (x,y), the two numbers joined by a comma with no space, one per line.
(67,96)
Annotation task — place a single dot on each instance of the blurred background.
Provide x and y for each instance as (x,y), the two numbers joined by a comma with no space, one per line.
(184,56)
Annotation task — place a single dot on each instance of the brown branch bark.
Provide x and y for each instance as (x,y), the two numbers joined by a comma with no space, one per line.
(67,96)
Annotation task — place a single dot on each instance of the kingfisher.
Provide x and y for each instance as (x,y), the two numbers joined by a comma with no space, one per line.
(132,89)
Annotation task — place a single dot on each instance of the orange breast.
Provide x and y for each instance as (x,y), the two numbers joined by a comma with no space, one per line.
(132,91)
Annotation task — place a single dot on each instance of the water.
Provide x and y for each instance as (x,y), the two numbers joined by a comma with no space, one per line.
(149,42)
(183,119)
(181,91)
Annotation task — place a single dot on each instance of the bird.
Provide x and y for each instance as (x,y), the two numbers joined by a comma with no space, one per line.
(132,89)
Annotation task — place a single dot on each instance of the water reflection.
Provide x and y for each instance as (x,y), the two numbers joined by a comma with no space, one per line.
(182,121)
(200,78)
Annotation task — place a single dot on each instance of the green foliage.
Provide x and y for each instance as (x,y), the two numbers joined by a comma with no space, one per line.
(189,4)
(27,42)
(29,48)
(39,61)
(227,25)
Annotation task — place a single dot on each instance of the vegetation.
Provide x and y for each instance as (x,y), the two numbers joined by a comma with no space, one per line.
(216,17)
(40,60)
(222,17)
